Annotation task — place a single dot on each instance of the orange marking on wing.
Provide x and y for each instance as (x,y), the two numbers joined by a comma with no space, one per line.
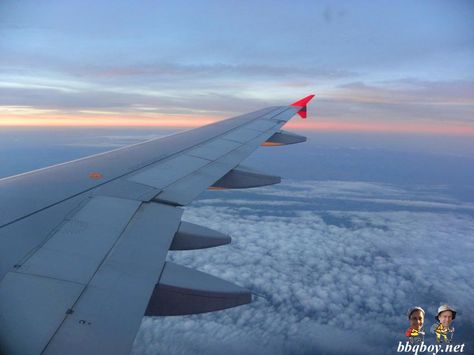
(95,175)
(271,144)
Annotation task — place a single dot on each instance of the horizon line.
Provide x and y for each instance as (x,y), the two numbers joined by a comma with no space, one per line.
(304,125)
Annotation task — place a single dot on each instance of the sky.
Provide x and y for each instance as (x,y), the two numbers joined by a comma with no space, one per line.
(375,212)
(385,66)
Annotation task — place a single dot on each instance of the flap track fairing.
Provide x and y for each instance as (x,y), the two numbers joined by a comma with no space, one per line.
(182,291)
(283,138)
(192,236)
(242,177)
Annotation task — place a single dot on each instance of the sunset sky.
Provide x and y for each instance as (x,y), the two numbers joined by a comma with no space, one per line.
(404,66)
(375,212)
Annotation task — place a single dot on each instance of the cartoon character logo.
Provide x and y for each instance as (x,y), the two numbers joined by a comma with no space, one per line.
(443,329)
(415,331)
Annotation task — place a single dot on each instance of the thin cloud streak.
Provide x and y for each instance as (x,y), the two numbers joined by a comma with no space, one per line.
(401,106)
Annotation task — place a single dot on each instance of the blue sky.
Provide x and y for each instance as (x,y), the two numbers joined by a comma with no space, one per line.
(384,66)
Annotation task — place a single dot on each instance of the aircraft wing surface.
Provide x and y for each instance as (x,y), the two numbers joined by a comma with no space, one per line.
(83,244)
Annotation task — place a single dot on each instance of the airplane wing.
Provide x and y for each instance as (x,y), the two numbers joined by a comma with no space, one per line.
(83,244)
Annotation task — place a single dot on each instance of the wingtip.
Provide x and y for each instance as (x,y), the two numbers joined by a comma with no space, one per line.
(303,101)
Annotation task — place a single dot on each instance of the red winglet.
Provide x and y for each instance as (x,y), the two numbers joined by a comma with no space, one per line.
(302,103)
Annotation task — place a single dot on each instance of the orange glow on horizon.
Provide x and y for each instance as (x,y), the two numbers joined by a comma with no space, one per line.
(191,121)
(434,127)
(171,121)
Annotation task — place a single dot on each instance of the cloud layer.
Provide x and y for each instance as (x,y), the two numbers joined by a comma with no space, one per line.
(329,281)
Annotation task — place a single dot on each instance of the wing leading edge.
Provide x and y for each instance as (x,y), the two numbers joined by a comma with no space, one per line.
(83,244)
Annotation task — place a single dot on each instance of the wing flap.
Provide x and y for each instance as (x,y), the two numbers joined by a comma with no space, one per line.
(242,135)
(85,239)
(31,309)
(262,125)
(45,285)
(187,189)
(214,149)
(168,171)
(90,281)
(107,314)
(129,190)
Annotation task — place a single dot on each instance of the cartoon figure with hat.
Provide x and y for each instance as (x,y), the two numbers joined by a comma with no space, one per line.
(415,332)
(442,327)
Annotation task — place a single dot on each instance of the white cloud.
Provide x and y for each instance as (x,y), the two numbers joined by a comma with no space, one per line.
(322,283)
(379,193)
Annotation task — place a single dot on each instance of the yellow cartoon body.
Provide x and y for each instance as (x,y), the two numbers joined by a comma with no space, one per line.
(441,331)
